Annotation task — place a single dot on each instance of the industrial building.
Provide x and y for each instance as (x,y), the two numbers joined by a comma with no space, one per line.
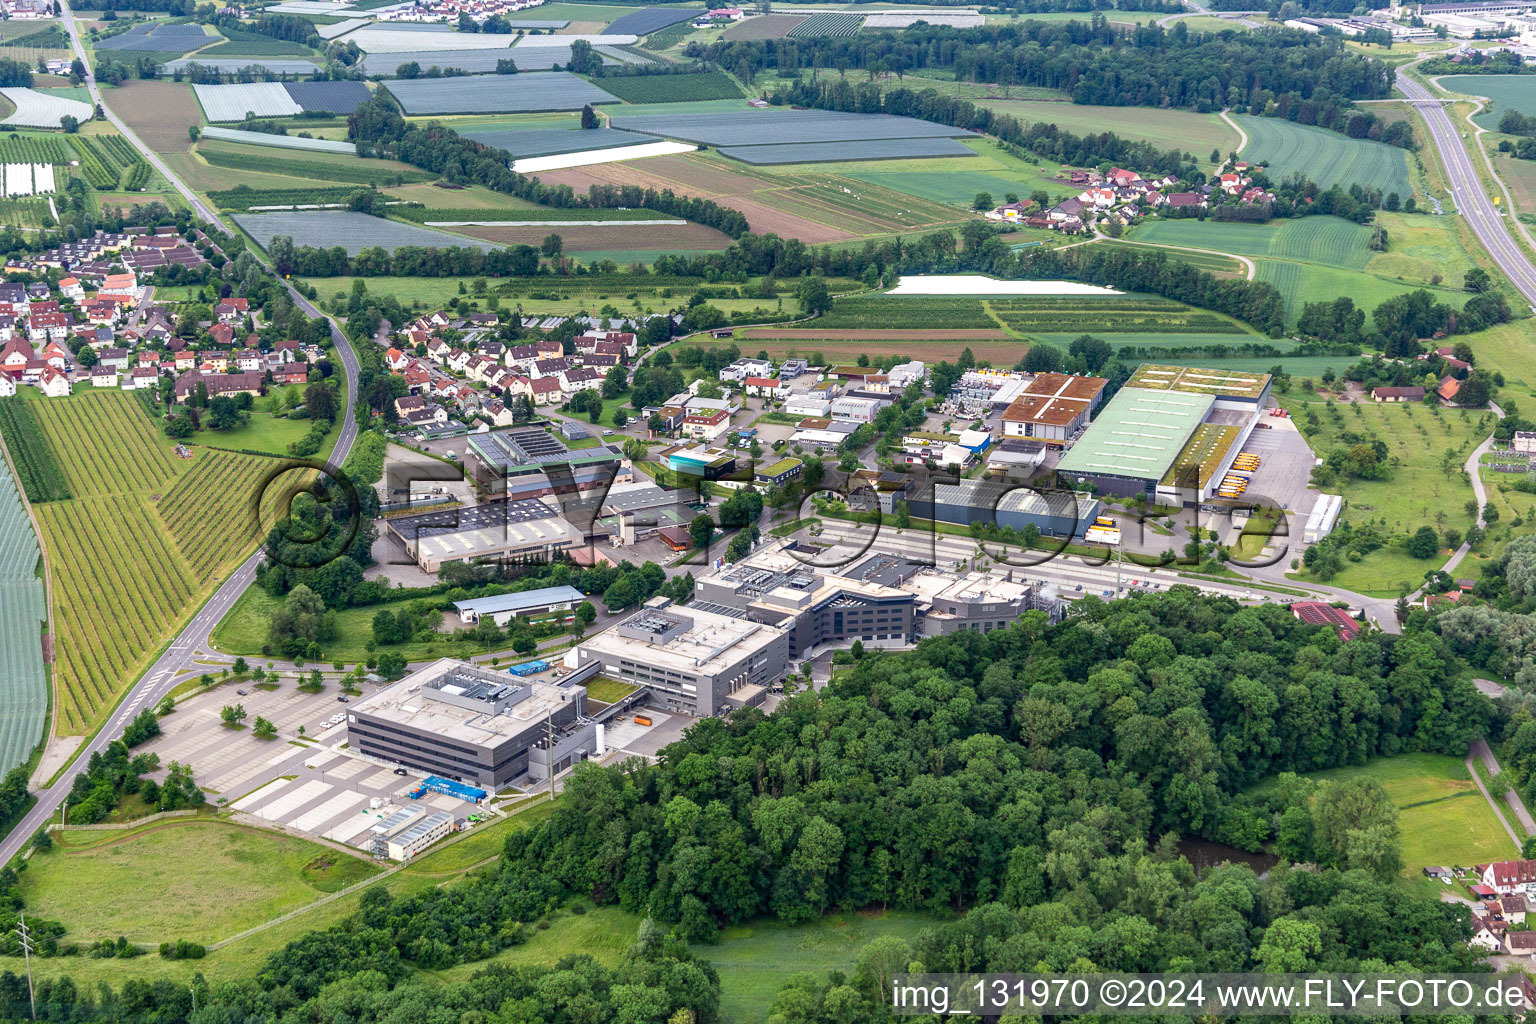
(693,660)
(883,600)
(473,724)
(411,841)
(516,530)
(1053,407)
(528,462)
(701,463)
(812,606)
(1170,435)
(1053,513)
(503,608)
(1325,514)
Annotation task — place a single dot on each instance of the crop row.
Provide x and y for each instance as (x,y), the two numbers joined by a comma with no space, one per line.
(422,214)
(209,512)
(41,479)
(138,459)
(244,197)
(1196,323)
(119,586)
(98,170)
(32,149)
(908,313)
(828,24)
(1107,304)
(353,169)
(138,177)
(707,85)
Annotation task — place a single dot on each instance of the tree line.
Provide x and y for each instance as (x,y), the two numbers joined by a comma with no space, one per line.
(1298,76)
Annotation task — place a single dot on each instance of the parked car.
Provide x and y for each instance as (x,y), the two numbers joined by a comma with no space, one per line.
(240,692)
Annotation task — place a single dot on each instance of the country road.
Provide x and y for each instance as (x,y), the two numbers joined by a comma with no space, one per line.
(1483,217)
(160,678)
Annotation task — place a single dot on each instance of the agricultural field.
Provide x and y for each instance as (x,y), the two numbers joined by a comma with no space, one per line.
(899,313)
(1443,817)
(1169,129)
(1211,262)
(130,556)
(496,94)
(352,231)
(776,126)
(842,152)
(158,112)
(651,19)
(816,204)
(1419,492)
(1328,158)
(97,884)
(828,24)
(23,615)
(609,238)
(333,168)
(523,142)
(711,85)
(1312,258)
(767,26)
(1507,92)
(1085,314)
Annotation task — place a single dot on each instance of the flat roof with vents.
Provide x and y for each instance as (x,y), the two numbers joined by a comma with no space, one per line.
(1197,462)
(1221,383)
(1139,434)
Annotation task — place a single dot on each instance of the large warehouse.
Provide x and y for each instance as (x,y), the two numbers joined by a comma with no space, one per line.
(1170,435)
(1053,407)
(528,529)
(1053,513)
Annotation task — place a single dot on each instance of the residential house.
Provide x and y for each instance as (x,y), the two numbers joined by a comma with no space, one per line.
(707,426)
(743,368)
(550,367)
(222,334)
(293,373)
(72,289)
(1186,200)
(1507,876)
(1448,389)
(231,310)
(544,390)
(115,358)
(1011,213)
(1408,394)
(248,360)
(288,351)
(126,285)
(48,326)
(53,383)
(101,377)
(580,378)
(767,387)
(432,415)
(1520,943)
(457,360)
(500,415)
(217,384)
(8,387)
(141,378)
(395,359)
(672,417)
(218,362)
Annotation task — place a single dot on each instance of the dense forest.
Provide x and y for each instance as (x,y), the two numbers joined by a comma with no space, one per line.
(1310,79)
(1027,785)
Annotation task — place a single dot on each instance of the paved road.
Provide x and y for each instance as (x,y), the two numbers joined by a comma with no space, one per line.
(1480,750)
(1491,802)
(67,16)
(1471,199)
(160,678)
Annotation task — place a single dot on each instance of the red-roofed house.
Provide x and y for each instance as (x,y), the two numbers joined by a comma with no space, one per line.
(53,383)
(1448,389)
(766,386)
(1506,876)
(396,359)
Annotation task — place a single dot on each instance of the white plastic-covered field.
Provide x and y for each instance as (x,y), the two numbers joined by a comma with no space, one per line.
(18,180)
(596,39)
(41,110)
(906,19)
(975,284)
(279,141)
(398,40)
(529,165)
(233,102)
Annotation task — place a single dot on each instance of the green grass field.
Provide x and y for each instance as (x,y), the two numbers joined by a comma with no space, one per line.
(1418,493)
(1328,158)
(205,879)
(244,629)
(1508,92)
(1443,817)
(1314,258)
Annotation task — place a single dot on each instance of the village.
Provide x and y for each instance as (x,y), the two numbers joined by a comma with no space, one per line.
(1117,198)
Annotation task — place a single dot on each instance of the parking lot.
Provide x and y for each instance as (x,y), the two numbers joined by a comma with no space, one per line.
(307,783)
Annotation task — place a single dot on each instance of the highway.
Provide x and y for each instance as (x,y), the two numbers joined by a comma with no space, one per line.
(160,678)
(1468,190)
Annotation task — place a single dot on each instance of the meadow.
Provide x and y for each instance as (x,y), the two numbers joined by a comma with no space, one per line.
(1507,92)
(98,884)
(1418,492)
(139,543)
(1320,258)
(1328,158)
(1443,817)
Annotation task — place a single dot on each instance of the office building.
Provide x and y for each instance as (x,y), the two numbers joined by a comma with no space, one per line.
(473,724)
(693,660)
